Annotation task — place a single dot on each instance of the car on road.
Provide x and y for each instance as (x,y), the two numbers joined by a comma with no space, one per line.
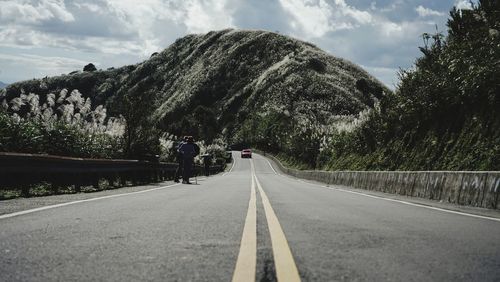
(246,153)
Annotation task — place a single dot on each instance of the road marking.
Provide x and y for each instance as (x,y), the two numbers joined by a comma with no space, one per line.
(413,204)
(286,269)
(247,258)
(81,201)
(271,166)
(231,169)
(392,200)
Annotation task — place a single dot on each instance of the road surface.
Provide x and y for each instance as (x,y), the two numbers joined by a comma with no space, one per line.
(250,224)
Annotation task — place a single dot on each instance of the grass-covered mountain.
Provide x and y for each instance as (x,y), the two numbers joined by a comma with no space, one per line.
(225,83)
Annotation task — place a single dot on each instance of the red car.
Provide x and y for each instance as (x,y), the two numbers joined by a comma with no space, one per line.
(246,153)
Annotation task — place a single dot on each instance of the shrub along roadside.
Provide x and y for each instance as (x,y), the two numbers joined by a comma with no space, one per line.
(444,114)
(29,136)
(64,124)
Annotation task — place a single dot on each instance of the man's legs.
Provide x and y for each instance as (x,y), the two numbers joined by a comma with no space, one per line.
(188,163)
(178,171)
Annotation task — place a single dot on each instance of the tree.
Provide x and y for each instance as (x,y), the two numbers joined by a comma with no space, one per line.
(90,68)
(141,132)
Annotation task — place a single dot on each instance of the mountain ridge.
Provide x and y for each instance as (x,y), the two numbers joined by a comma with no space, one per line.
(226,76)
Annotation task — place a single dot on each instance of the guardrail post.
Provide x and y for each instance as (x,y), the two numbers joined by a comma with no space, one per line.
(95,181)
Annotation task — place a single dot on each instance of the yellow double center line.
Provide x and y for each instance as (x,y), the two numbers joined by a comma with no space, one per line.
(286,270)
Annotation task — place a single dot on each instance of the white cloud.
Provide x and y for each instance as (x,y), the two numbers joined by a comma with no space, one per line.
(203,16)
(43,61)
(309,18)
(314,18)
(396,32)
(426,12)
(148,19)
(108,26)
(58,10)
(12,11)
(463,5)
(89,6)
(46,65)
(390,8)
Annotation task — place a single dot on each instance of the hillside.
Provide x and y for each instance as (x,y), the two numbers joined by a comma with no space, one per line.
(214,84)
(3,85)
(444,114)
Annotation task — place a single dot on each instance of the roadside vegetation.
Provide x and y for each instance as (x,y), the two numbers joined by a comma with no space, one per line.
(65,124)
(445,113)
(68,124)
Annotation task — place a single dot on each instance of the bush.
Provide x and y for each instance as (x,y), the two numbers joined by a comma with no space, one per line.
(62,125)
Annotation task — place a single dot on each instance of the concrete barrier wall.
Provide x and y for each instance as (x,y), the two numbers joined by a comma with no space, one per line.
(471,188)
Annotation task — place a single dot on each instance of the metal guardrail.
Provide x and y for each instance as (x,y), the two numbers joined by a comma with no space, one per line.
(471,188)
(19,171)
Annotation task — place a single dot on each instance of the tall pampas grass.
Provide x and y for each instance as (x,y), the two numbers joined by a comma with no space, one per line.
(94,132)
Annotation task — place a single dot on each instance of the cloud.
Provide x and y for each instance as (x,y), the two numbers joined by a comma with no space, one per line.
(44,61)
(267,15)
(38,66)
(314,18)
(123,26)
(426,12)
(389,8)
(203,16)
(12,11)
(463,5)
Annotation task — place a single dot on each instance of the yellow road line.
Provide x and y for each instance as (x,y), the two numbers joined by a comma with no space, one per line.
(286,269)
(247,258)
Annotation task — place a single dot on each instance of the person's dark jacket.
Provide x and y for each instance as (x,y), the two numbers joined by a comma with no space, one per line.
(189,150)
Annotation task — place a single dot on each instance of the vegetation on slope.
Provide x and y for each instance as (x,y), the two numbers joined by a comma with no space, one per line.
(445,113)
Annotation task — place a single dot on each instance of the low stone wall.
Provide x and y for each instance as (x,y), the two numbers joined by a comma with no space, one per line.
(472,188)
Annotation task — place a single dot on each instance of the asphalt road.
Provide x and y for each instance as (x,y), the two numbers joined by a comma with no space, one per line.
(248,224)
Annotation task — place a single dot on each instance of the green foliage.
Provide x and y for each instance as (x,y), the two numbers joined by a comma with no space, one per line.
(141,133)
(444,114)
(90,68)
(63,125)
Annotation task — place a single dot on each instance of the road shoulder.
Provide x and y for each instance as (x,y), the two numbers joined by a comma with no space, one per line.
(495,213)
(22,204)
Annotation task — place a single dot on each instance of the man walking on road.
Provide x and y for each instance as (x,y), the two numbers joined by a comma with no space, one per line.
(189,150)
(180,162)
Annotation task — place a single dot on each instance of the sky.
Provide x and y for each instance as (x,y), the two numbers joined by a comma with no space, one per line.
(41,38)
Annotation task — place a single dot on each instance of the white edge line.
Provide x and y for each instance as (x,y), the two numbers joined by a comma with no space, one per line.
(413,204)
(232,166)
(275,172)
(388,199)
(80,201)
